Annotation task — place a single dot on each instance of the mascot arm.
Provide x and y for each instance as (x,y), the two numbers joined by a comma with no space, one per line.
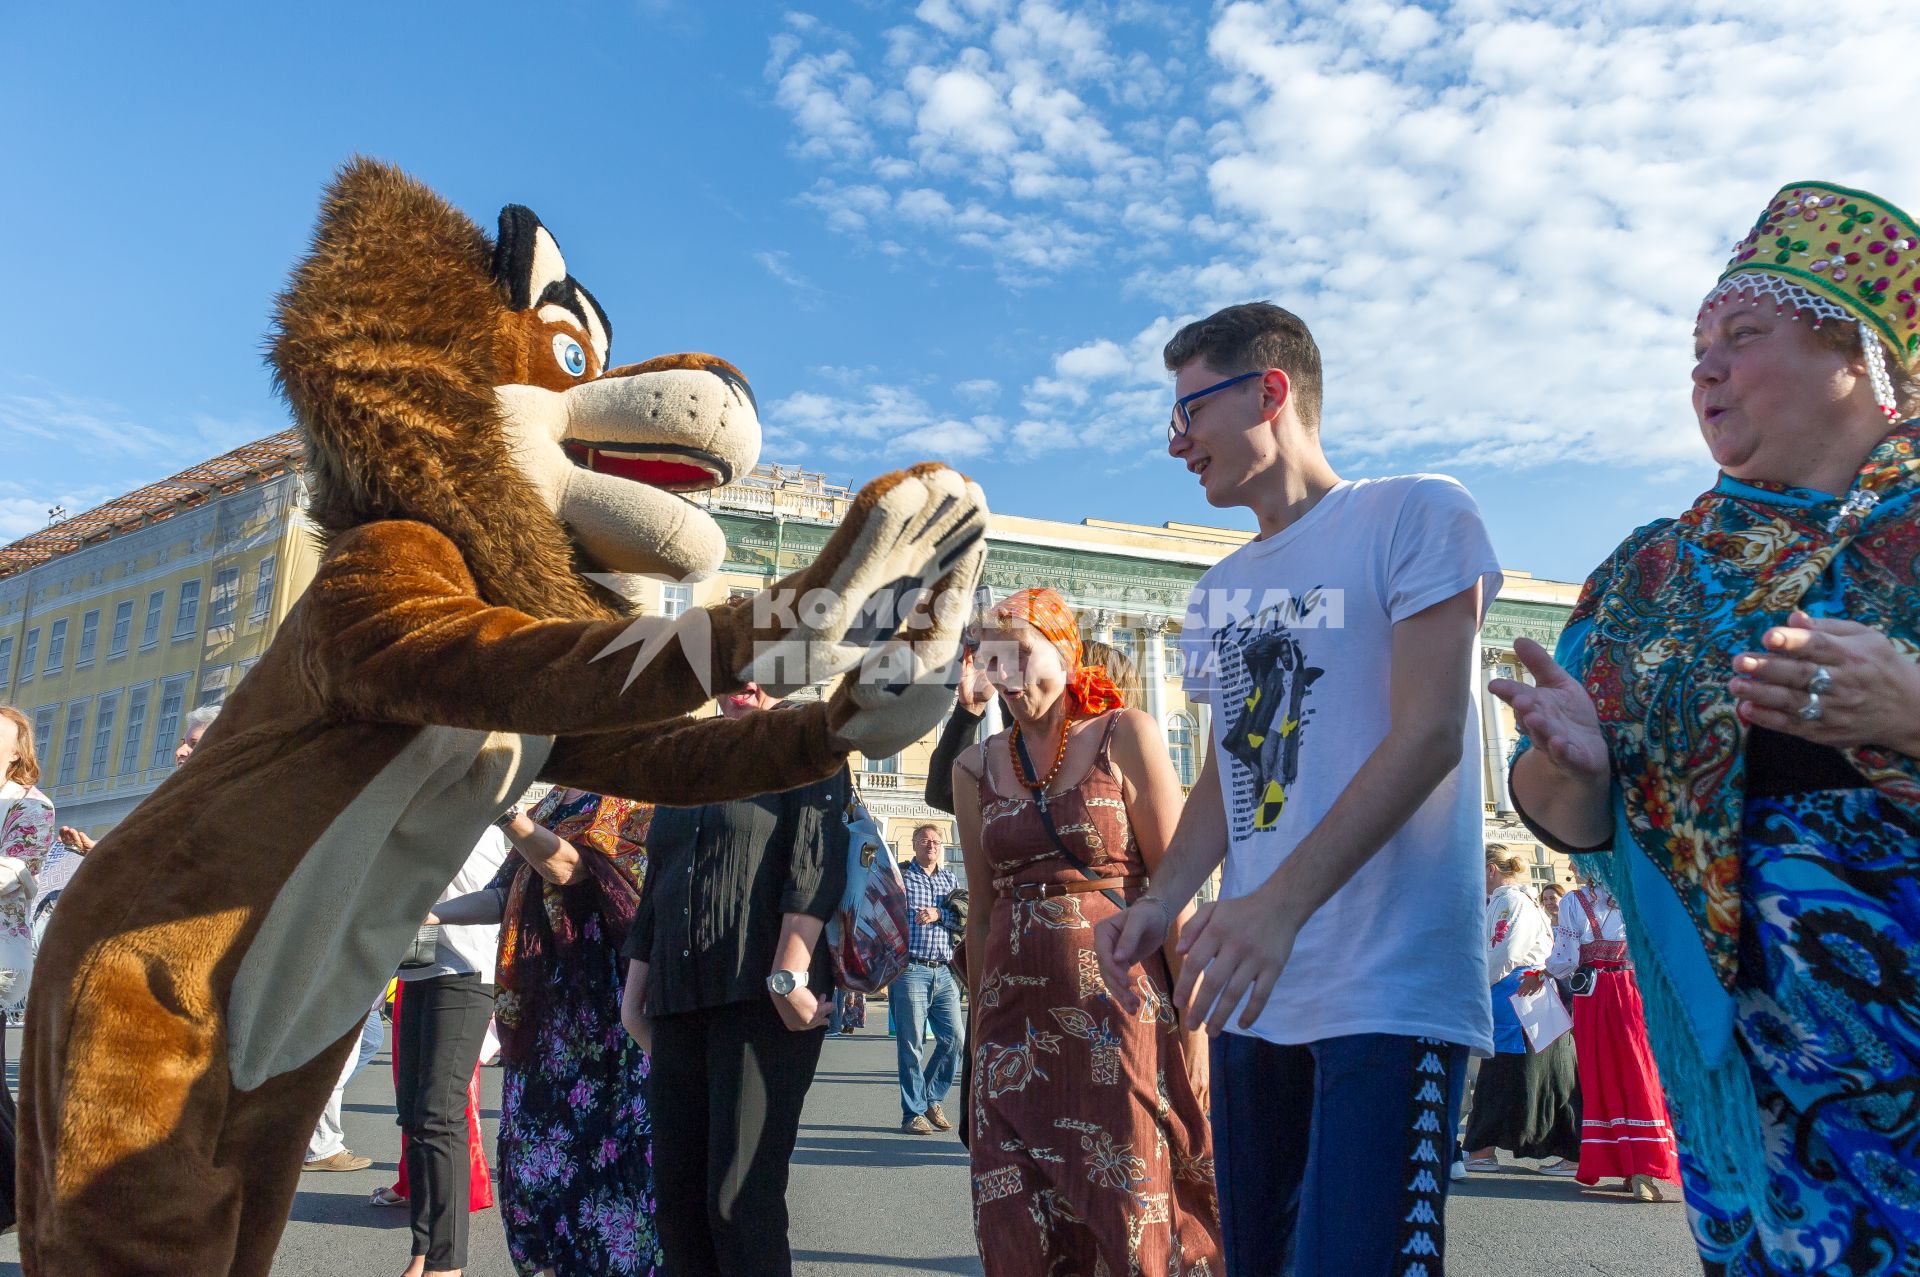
(702,760)
(396,633)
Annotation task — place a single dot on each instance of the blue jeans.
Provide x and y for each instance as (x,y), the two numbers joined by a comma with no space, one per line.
(1331,1158)
(925,1076)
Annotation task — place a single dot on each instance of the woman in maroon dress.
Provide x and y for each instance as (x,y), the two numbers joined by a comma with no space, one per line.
(1091,1152)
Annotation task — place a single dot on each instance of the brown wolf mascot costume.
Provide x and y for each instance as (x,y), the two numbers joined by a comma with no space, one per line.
(471,460)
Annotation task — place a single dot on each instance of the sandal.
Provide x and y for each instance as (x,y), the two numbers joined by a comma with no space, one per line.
(386,1197)
(1483,1164)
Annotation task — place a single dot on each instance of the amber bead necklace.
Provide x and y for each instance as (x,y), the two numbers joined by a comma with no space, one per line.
(1059,756)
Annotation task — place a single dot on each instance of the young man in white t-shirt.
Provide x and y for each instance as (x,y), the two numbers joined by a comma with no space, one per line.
(1341,969)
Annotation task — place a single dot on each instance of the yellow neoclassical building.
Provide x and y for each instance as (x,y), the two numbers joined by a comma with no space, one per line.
(118,622)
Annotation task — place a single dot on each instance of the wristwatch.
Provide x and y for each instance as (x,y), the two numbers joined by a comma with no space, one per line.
(505,818)
(783,983)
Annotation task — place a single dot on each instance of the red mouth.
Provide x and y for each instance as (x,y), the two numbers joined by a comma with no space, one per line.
(680,471)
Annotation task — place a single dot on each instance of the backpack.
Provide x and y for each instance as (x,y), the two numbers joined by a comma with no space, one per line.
(867,934)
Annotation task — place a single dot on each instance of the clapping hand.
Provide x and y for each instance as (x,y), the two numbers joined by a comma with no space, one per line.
(1556,713)
(1122,939)
(1868,689)
(975,690)
(1235,951)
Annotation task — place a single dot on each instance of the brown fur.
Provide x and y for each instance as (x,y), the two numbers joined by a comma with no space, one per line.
(391,341)
(446,599)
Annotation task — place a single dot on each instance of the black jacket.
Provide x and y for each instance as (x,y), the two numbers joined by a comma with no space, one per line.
(718,880)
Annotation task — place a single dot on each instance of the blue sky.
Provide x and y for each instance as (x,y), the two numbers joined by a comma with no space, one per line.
(962,228)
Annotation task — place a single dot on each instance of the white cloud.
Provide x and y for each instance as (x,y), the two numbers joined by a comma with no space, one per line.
(1497,219)
(58,417)
(779,265)
(984,100)
(980,390)
(863,417)
(1094,361)
(960,107)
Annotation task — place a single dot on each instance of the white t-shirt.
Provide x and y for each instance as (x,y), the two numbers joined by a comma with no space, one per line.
(1289,639)
(469,950)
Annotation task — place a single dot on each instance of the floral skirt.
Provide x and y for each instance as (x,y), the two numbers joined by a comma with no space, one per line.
(1828,1017)
(576,1158)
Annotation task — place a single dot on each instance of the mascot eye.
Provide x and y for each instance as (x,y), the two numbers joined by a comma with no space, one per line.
(570,354)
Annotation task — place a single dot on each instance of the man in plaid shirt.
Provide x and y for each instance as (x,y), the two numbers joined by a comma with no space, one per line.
(926,988)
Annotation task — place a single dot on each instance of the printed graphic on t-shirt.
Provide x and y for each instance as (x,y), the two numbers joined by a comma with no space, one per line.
(1265,682)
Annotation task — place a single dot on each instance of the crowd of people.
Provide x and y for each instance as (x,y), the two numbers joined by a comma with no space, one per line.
(1727,740)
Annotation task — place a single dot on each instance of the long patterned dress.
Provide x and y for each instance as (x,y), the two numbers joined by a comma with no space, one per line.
(575,1151)
(1091,1151)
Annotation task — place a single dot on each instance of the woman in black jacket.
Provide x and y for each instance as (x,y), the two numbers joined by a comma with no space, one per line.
(728,991)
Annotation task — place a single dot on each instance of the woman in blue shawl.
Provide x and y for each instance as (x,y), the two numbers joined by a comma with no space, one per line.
(1733,714)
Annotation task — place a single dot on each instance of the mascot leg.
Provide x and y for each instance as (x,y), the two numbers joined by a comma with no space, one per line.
(143,1158)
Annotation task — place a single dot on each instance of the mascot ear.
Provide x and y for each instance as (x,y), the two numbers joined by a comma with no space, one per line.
(526,260)
(528,268)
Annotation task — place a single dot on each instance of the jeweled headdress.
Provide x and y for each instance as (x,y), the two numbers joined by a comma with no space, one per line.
(1836,254)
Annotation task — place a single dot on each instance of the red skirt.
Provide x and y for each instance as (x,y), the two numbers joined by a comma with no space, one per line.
(1624,1129)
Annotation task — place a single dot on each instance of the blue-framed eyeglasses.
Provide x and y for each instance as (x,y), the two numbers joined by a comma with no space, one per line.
(1182,419)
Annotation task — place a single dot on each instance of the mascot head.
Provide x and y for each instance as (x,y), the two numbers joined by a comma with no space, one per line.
(464,383)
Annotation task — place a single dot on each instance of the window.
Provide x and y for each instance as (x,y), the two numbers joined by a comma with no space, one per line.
(56,647)
(1543,872)
(150,632)
(213,685)
(103,735)
(226,596)
(1175,658)
(263,591)
(70,742)
(122,630)
(29,650)
(1180,733)
(6,660)
(136,727)
(675,599)
(186,617)
(889,766)
(89,637)
(166,728)
(43,729)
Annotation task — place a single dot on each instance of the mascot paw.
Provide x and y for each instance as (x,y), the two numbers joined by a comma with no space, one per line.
(879,720)
(903,688)
(889,592)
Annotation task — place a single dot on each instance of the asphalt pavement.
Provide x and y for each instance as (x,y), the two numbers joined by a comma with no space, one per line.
(867,1200)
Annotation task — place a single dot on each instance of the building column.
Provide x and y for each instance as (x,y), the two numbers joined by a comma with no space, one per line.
(1100,625)
(1154,635)
(994,723)
(1493,729)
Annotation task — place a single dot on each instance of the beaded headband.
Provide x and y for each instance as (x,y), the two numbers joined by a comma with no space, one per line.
(1836,254)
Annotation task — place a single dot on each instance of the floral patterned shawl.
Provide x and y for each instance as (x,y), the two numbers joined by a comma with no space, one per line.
(543,928)
(1656,629)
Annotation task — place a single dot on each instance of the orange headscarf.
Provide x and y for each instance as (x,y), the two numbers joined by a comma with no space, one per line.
(1089,690)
